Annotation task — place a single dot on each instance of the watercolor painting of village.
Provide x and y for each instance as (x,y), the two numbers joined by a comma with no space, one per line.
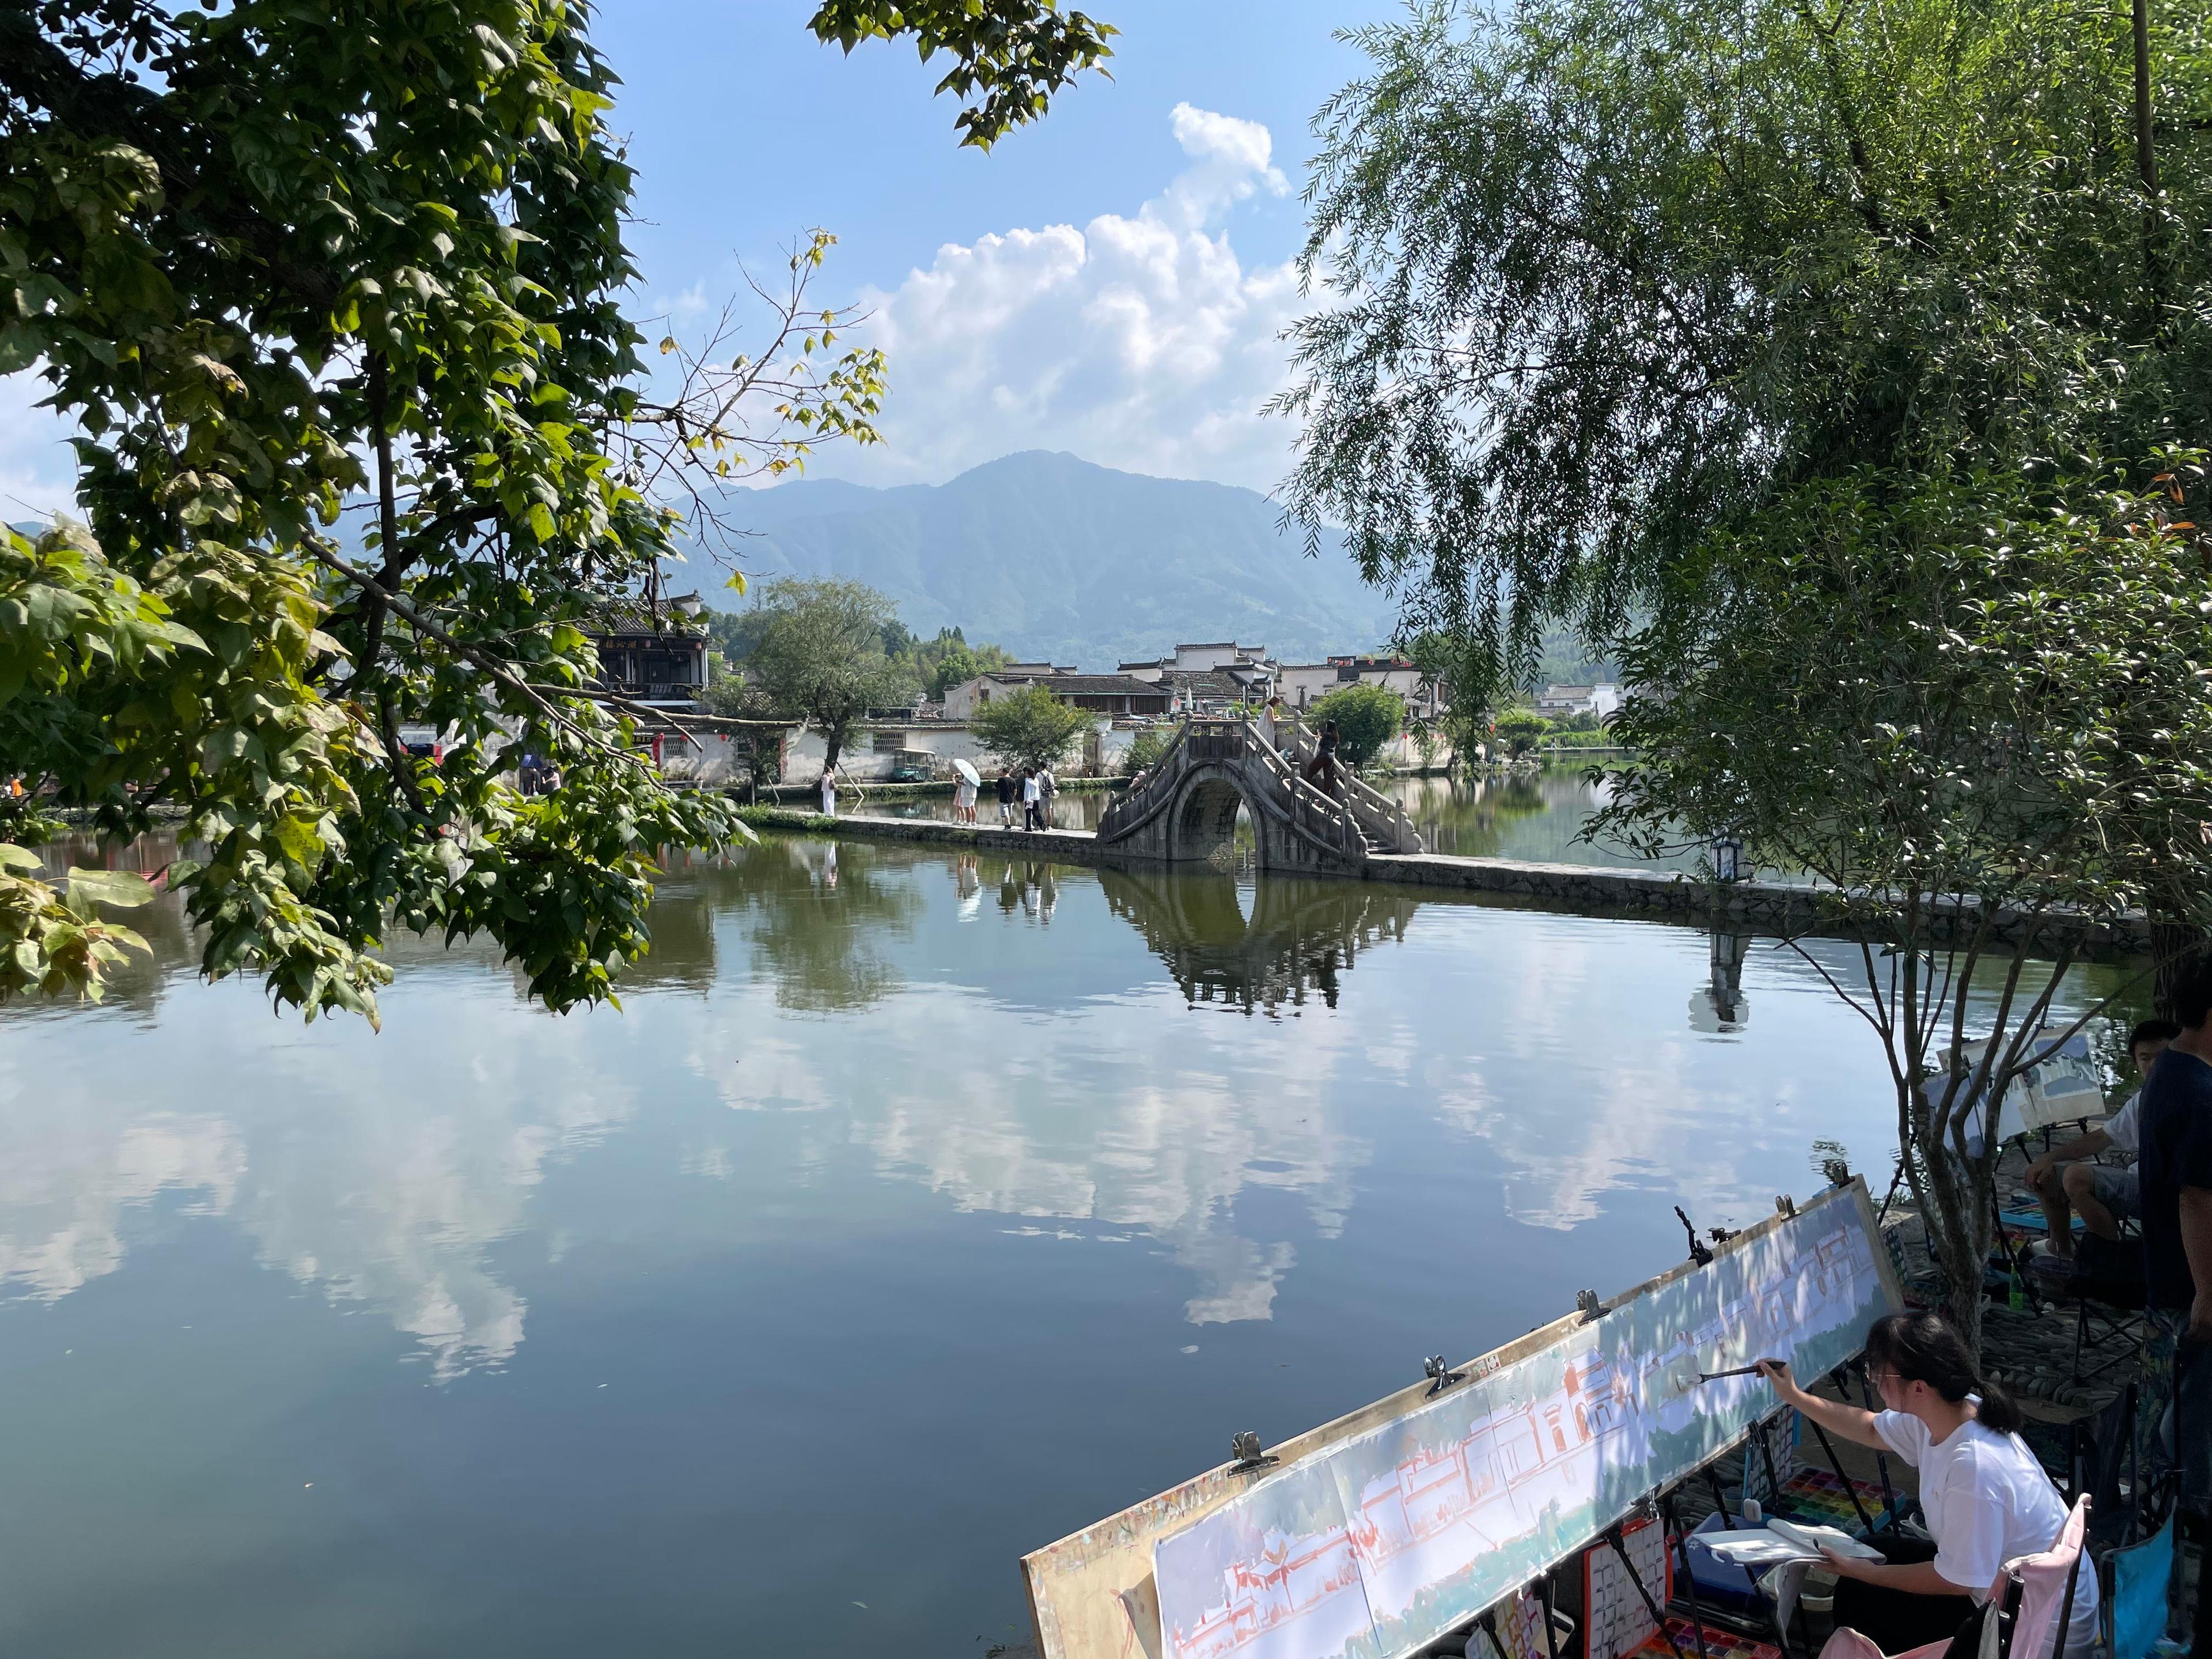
(1374,1547)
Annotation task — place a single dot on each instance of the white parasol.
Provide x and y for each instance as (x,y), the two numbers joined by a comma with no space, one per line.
(967,769)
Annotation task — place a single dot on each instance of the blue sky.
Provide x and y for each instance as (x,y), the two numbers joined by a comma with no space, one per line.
(1109,282)
(745,130)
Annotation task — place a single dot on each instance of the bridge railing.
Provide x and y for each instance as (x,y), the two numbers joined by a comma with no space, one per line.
(1382,818)
(1314,811)
(1135,803)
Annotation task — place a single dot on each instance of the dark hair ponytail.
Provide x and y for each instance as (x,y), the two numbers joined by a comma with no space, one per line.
(1925,1348)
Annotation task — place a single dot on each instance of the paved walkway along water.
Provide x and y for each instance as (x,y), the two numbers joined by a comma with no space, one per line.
(1753,906)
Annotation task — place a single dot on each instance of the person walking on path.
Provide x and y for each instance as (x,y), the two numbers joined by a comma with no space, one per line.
(1048,787)
(1271,721)
(1006,798)
(1031,817)
(964,801)
(2103,1195)
(828,792)
(1985,1496)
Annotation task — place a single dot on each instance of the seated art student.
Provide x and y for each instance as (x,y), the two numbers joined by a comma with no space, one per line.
(2102,1194)
(1985,1497)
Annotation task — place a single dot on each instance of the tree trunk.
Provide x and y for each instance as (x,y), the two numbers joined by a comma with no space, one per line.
(1958,1239)
(2146,156)
(1954,1212)
(833,742)
(2173,944)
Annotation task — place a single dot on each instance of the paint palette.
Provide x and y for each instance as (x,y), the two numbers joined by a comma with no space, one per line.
(1719,1643)
(1616,1618)
(1778,1460)
(1818,1495)
(1520,1628)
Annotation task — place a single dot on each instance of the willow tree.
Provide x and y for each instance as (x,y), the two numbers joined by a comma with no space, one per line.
(1604,277)
(1983,726)
(282,263)
(1821,358)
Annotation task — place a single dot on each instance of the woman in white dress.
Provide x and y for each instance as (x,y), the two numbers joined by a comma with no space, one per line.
(828,792)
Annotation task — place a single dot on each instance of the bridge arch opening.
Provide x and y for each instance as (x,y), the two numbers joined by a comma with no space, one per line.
(1204,826)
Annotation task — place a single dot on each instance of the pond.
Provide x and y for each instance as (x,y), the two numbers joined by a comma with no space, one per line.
(1529,813)
(915,1211)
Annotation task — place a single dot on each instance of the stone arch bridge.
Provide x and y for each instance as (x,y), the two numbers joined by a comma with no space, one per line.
(1183,808)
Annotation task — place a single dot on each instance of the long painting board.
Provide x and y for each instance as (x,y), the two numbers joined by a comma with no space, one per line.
(1377,1533)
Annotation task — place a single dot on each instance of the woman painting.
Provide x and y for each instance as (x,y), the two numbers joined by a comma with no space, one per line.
(1985,1496)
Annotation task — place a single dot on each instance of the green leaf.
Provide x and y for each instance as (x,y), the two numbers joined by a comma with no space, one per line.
(124,889)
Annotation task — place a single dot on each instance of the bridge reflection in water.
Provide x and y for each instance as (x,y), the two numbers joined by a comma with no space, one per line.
(1295,941)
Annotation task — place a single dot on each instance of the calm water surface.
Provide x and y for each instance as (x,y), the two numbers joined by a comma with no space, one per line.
(914,1212)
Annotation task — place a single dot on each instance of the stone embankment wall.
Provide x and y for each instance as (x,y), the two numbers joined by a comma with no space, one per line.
(1750,906)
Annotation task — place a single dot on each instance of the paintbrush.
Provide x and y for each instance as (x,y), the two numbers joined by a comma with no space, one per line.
(1741,1370)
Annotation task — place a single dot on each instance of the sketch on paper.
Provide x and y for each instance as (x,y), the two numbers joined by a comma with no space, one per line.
(1379,1544)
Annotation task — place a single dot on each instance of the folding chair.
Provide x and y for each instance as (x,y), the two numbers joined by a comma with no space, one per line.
(2029,1608)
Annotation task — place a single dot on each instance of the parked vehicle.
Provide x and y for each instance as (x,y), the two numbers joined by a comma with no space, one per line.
(912,766)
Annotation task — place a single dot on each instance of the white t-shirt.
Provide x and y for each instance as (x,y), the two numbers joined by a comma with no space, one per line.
(1988,1500)
(1029,789)
(2120,1128)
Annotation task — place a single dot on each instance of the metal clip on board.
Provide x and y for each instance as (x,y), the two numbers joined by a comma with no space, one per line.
(1699,1253)
(1246,1448)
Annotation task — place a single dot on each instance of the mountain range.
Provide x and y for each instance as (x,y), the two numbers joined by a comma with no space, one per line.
(1060,560)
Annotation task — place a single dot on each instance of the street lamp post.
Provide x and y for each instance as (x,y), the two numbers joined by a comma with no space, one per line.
(1727,858)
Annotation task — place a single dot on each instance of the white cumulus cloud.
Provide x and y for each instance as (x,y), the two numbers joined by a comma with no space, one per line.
(38,469)
(1138,342)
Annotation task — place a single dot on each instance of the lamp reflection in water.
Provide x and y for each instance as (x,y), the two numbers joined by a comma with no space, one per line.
(1719,1007)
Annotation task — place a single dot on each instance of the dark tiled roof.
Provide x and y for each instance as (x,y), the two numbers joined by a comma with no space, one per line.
(1211,683)
(1103,685)
(629,614)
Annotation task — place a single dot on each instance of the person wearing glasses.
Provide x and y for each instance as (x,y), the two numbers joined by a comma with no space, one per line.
(1986,1497)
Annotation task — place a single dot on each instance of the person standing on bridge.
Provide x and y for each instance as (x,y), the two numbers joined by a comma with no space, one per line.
(1032,818)
(1006,798)
(1321,770)
(1271,721)
(1048,787)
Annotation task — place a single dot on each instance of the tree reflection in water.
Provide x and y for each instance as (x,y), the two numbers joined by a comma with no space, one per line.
(824,914)
(1300,937)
